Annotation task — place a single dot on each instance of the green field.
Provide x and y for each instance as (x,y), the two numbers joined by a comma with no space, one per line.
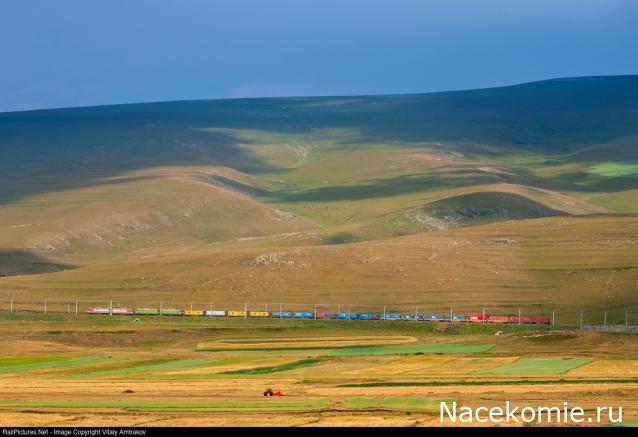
(39,363)
(404,404)
(128,368)
(280,368)
(413,349)
(533,366)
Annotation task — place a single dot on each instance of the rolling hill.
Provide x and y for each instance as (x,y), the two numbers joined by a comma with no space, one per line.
(153,200)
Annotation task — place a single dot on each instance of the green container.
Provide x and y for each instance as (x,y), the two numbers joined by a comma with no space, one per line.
(146,312)
(171,312)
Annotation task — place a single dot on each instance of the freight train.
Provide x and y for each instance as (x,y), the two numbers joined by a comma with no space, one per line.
(469,318)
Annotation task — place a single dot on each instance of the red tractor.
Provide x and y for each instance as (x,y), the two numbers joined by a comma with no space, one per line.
(269,392)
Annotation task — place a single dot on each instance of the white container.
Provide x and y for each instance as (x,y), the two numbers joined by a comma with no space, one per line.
(215,313)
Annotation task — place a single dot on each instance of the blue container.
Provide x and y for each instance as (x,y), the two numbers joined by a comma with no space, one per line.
(392,316)
(363,316)
(436,317)
(375,316)
(282,314)
(330,316)
(412,317)
(345,316)
(457,317)
(308,315)
(298,315)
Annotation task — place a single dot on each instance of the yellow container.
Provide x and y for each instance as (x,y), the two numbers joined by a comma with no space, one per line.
(258,314)
(193,313)
(236,313)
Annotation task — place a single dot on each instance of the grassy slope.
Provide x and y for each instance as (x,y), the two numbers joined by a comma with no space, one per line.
(180,197)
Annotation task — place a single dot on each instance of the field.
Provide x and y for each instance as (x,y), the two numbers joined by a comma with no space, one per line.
(511,200)
(111,371)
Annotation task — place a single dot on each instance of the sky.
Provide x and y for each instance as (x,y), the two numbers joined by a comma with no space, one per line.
(87,52)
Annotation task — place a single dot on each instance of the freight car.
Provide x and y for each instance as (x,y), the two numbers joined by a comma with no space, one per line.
(193,313)
(322,315)
(215,313)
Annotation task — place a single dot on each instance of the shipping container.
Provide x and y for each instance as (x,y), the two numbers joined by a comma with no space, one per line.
(392,316)
(171,312)
(281,315)
(321,315)
(375,316)
(413,317)
(146,312)
(541,320)
(330,315)
(123,311)
(521,319)
(498,319)
(456,318)
(363,316)
(215,313)
(193,312)
(476,318)
(258,314)
(98,310)
(435,317)
(345,316)
(236,313)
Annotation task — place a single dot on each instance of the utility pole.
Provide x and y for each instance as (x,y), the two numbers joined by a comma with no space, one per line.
(211,309)
(581,318)
(383,312)
(553,316)
(349,312)
(110,308)
(519,315)
(483,321)
(161,308)
(245,310)
(280,308)
(315,311)
(76,307)
(626,318)
(451,314)
(605,318)
(11,297)
(45,306)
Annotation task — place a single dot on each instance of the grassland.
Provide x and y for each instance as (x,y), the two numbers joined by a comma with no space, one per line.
(158,378)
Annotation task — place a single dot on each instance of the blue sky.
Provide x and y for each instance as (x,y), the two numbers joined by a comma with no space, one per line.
(58,53)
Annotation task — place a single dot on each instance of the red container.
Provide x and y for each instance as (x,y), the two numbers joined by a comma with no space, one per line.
(321,315)
(479,318)
(521,319)
(498,319)
(541,320)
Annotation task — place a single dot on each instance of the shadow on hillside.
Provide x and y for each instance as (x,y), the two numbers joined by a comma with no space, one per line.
(60,149)
(23,262)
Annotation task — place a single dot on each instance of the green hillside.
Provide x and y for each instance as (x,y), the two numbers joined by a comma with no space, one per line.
(102,187)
